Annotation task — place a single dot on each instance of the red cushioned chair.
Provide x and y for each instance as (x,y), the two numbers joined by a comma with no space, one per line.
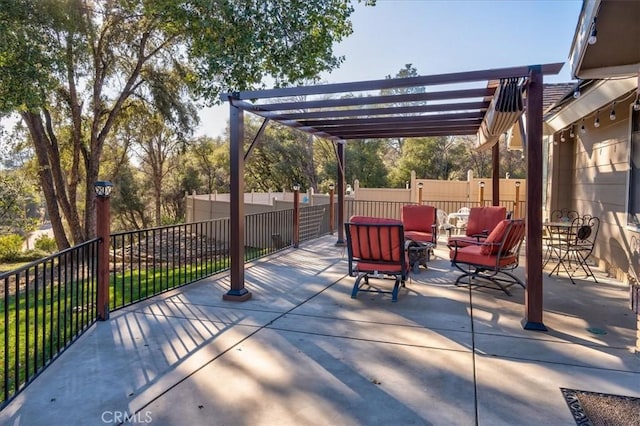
(420,223)
(376,249)
(482,220)
(490,261)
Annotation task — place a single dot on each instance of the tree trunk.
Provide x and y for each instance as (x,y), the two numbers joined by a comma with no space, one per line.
(39,138)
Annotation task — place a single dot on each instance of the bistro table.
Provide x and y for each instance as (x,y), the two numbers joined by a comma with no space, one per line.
(460,218)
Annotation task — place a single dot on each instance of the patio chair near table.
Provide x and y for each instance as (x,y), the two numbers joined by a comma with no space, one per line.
(420,223)
(575,245)
(443,222)
(489,263)
(482,220)
(376,249)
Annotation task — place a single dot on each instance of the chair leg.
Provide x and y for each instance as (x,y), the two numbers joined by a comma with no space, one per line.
(356,286)
(394,293)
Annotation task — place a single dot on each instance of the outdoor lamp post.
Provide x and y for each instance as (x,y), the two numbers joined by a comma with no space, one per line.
(296,215)
(516,209)
(331,209)
(103,189)
(420,185)
(481,193)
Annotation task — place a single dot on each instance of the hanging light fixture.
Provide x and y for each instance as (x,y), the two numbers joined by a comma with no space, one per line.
(636,103)
(597,122)
(582,128)
(572,134)
(576,92)
(593,37)
(562,138)
(612,114)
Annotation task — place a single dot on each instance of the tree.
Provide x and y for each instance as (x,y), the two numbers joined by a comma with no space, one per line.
(364,162)
(71,67)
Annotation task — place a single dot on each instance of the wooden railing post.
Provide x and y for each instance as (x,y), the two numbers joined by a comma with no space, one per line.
(331,209)
(103,232)
(296,215)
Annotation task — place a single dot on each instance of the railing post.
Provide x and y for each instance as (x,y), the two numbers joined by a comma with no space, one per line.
(103,232)
(331,209)
(516,213)
(296,215)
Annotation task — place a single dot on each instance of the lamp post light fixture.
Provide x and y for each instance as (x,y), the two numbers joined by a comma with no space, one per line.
(481,193)
(103,189)
(331,208)
(296,215)
(516,209)
(420,185)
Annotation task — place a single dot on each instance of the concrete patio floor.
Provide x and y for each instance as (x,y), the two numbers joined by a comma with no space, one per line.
(302,352)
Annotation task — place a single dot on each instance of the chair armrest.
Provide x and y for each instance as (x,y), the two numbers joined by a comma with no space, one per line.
(483,234)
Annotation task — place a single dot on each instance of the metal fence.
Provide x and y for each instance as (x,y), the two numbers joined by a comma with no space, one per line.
(44,307)
(148,262)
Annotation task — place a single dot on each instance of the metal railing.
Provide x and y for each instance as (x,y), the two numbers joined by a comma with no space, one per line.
(148,262)
(44,307)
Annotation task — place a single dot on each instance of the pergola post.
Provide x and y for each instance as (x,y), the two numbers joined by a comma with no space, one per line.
(495,175)
(237,292)
(533,269)
(341,190)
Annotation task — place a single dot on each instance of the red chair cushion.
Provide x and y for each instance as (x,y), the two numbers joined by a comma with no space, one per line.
(492,244)
(418,236)
(474,255)
(418,218)
(484,219)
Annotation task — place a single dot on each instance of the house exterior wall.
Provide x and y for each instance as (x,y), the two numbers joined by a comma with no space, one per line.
(591,175)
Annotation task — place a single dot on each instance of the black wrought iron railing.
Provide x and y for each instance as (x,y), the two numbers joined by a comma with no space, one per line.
(44,307)
(148,262)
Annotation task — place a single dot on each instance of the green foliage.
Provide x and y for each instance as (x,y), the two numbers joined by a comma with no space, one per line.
(364,163)
(46,244)
(72,69)
(10,247)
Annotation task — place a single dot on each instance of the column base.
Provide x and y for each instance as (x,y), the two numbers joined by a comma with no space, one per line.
(241,295)
(533,326)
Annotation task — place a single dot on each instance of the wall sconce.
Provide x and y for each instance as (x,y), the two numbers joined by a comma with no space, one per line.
(103,188)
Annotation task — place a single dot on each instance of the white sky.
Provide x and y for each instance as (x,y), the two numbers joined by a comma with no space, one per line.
(443,36)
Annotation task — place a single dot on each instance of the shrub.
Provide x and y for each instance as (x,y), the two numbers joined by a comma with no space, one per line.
(10,247)
(46,244)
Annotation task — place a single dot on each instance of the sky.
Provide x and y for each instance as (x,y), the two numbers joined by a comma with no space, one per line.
(440,36)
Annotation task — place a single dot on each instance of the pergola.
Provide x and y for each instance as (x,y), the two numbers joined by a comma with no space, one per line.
(435,105)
